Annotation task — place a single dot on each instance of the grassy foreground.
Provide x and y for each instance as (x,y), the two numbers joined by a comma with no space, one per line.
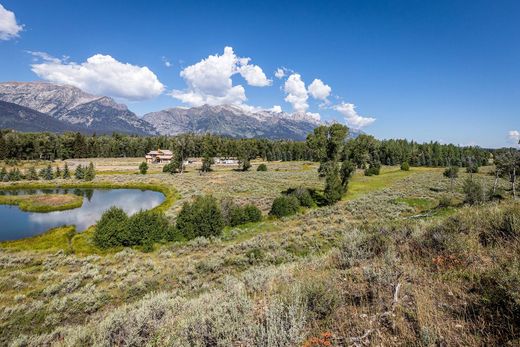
(359,273)
(43,202)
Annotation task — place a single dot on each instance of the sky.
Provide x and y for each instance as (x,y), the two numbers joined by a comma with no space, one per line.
(445,71)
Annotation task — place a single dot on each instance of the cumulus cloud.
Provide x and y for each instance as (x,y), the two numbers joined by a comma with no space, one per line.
(101,75)
(254,75)
(276,109)
(514,136)
(352,118)
(319,90)
(296,93)
(9,28)
(279,73)
(209,81)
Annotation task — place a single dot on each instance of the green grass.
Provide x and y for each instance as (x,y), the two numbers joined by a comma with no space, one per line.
(43,202)
(53,240)
(419,204)
(360,184)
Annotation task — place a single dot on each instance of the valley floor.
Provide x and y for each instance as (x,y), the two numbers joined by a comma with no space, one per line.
(384,266)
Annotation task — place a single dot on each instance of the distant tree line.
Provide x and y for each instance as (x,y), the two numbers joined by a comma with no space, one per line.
(364,151)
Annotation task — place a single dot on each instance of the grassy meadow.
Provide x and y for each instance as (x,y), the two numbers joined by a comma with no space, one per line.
(386,265)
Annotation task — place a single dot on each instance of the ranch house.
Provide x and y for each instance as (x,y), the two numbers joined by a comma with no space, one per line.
(159,156)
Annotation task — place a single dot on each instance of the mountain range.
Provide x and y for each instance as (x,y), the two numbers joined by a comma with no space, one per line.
(41,106)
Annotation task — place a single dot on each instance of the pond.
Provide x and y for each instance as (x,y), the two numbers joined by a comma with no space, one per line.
(17,224)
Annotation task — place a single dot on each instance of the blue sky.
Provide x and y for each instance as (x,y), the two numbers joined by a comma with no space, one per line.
(424,70)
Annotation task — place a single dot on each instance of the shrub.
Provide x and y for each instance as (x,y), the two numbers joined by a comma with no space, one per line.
(173,167)
(405,166)
(143,168)
(474,194)
(322,298)
(284,206)
(304,197)
(145,228)
(373,169)
(261,167)
(451,172)
(233,214)
(252,213)
(111,229)
(472,168)
(445,201)
(202,217)
(207,161)
(47,173)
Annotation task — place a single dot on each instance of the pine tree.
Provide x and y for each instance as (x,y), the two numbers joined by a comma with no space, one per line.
(333,187)
(66,172)
(58,172)
(90,172)
(32,174)
(47,174)
(79,173)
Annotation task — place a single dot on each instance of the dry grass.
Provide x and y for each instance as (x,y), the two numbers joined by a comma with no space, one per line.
(332,270)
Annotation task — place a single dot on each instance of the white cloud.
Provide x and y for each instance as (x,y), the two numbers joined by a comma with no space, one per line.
(209,81)
(44,56)
(319,90)
(254,75)
(279,73)
(514,136)
(101,75)
(276,109)
(296,93)
(352,118)
(166,62)
(9,28)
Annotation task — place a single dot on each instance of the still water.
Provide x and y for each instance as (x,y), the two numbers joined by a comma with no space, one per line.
(16,224)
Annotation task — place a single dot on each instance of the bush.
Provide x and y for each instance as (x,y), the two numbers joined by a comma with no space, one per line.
(284,206)
(445,201)
(237,215)
(111,229)
(143,168)
(373,169)
(172,167)
(474,193)
(261,167)
(200,218)
(472,168)
(451,172)
(145,228)
(304,197)
(405,166)
(252,213)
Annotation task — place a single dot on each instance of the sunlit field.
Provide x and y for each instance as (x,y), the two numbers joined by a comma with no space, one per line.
(375,265)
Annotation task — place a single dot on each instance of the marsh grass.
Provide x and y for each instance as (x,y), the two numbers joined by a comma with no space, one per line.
(43,202)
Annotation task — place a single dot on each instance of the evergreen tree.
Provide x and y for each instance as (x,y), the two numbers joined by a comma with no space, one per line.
(32,174)
(4,175)
(47,174)
(451,172)
(90,172)
(333,187)
(66,172)
(58,172)
(79,173)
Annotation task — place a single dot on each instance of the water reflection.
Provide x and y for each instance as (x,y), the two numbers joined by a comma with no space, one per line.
(15,224)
